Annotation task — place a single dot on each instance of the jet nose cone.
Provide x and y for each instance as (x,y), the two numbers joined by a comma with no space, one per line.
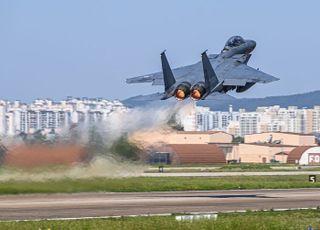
(252,44)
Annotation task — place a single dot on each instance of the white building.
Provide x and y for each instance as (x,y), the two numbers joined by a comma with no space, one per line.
(248,123)
(202,119)
(3,127)
(46,115)
(264,119)
(316,119)
(222,119)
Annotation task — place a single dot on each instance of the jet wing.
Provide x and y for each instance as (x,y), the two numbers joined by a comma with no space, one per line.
(145,78)
(231,71)
(157,78)
(241,74)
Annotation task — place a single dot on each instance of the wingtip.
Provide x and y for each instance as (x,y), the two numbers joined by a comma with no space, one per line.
(274,78)
(204,52)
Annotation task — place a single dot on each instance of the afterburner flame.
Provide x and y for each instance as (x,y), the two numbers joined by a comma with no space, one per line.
(180,94)
(195,95)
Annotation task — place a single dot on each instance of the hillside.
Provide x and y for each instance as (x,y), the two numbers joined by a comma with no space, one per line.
(222,102)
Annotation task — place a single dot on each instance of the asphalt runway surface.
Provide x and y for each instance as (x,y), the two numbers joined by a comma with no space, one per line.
(51,206)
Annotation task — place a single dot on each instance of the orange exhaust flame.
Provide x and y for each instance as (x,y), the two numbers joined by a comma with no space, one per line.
(180,94)
(196,95)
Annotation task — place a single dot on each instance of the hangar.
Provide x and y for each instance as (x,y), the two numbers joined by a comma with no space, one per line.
(271,147)
(38,155)
(188,154)
(284,138)
(150,138)
(260,153)
(304,155)
(184,147)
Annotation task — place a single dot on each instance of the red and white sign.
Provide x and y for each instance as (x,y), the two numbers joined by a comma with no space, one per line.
(314,158)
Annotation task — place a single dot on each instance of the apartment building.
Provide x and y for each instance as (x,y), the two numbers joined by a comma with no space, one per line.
(46,115)
(264,119)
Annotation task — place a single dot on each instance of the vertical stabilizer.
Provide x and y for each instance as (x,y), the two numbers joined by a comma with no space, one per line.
(210,77)
(168,77)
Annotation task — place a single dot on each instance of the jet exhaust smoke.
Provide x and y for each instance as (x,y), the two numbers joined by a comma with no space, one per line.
(108,142)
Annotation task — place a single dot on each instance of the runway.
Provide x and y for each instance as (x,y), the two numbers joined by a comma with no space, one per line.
(41,206)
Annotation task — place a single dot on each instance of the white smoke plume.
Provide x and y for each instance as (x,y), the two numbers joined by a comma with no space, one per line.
(141,119)
(105,166)
(153,118)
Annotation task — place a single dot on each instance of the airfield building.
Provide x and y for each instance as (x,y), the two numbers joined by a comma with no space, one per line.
(304,155)
(270,147)
(185,147)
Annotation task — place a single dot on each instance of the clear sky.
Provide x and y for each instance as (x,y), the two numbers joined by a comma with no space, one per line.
(52,49)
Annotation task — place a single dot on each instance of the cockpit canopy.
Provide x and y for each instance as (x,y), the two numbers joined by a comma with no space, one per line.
(233,42)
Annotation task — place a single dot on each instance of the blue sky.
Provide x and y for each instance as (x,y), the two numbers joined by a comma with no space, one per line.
(52,49)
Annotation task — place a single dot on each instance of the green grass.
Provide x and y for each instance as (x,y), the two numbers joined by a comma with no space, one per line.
(232,168)
(247,166)
(289,220)
(147,184)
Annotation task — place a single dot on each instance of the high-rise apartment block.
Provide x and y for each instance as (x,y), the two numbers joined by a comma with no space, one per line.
(46,115)
(264,119)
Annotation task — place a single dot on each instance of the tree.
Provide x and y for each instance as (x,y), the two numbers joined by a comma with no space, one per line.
(96,144)
(238,139)
(38,138)
(3,151)
(126,149)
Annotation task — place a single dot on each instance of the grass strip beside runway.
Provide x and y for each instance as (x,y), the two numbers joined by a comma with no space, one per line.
(250,220)
(148,184)
(235,168)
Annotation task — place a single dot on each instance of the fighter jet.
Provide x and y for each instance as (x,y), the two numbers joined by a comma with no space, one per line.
(216,73)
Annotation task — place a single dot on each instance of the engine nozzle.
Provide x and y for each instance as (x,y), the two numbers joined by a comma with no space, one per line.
(182,91)
(198,91)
